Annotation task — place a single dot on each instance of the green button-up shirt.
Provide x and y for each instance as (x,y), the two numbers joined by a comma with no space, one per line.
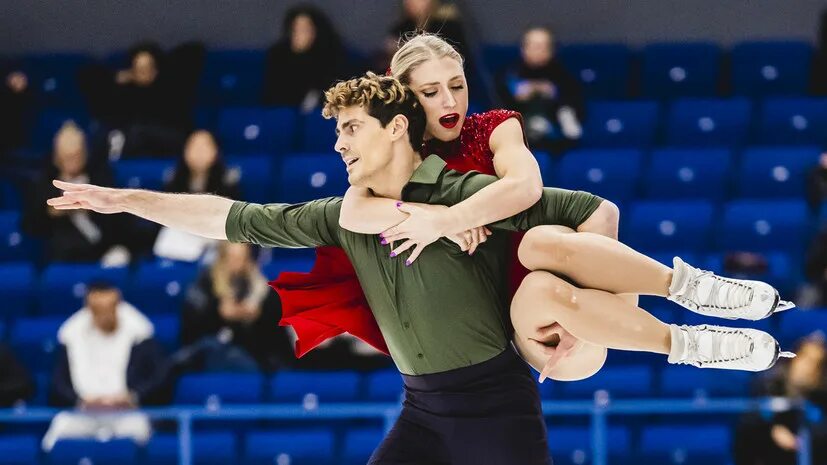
(446,310)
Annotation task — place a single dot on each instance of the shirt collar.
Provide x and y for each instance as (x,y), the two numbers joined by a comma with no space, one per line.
(428,171)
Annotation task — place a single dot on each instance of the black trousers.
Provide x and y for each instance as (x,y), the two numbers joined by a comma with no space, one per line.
(484,414)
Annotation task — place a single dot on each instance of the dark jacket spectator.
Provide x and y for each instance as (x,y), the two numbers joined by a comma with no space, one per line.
(15,383)
(759,441)
(230,317)
(74,235)
(15,102)
(150,103)
(816,266)
(201,169)
(817,184)
(307,59)
(547,95)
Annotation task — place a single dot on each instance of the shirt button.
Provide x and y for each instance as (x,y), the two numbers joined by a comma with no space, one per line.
(406,325)
(420,356)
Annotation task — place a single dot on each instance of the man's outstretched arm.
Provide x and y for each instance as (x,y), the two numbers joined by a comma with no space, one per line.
(202,215)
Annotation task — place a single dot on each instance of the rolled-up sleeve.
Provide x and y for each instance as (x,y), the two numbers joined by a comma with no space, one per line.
(310,224)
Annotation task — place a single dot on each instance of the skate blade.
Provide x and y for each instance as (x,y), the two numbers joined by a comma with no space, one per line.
(783,306)
(785,354)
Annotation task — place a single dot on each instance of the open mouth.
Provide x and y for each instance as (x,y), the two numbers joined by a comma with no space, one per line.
(449,121)
(350,162)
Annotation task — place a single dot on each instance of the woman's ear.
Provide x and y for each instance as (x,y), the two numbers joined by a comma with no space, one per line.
(399,127)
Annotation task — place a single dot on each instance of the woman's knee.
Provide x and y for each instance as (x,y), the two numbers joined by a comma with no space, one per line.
(546,248)
(540,299)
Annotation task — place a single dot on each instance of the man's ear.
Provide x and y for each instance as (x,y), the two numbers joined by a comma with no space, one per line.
(399,127)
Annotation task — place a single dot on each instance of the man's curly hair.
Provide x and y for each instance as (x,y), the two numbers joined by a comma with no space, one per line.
(383,97)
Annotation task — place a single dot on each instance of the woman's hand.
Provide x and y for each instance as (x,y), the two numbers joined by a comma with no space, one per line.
(424,226)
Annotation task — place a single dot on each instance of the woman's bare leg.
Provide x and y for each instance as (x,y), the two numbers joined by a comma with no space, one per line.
(595,317)
(594,261)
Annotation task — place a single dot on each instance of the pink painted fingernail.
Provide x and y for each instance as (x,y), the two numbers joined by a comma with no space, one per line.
(393,254)
(382,235)
(398,204)
(407,263)
(384,242)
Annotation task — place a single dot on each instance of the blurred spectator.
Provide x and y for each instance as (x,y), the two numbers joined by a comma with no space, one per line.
(230,319)
(817,184)
(804,377)
(201,169)
(75,235)
(819,83)
(148,105)
(307,59)
(15,382)
(425,16)
(549,98)
(108,365)
(15,99)
(816,268)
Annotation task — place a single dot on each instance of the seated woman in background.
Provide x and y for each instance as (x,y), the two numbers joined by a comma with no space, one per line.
(539,87)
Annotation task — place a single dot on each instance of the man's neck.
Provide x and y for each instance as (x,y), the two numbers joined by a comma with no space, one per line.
(390,182)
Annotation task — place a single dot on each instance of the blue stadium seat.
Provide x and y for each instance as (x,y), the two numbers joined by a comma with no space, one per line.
(225,388)
(783,271)
(670,226)
(309,176)
(232,77)
(75,451)
(359,445)
(208,448)
(48,122)
(686,445)
(14,245)
(571,445)
(53,78)
(775,172)
(708,122)
(160,286)
(771,68)
(620,124)
(688,174)
(34,340)
(318,134)
(498,57)
(673,70)
(685,381)
(621,382)
(603,69)
(612,174)
(149,174)
(19,449)
(10,196)
(279,265)
(256,177)
(802,323)
(756,226)
(383,386)
(546,163)
(257,130)
(293,447)
(167,329)
(17,286)
(333,386)
(63,286)
(793,121)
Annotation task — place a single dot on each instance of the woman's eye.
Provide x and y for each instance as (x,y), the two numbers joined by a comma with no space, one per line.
(458,87)
(429,94)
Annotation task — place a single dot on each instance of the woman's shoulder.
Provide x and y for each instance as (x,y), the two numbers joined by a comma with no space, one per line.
(481,125)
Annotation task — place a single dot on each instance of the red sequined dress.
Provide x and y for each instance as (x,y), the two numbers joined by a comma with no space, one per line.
(329,300)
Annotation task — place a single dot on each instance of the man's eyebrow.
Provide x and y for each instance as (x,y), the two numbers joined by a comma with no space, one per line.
(347,124)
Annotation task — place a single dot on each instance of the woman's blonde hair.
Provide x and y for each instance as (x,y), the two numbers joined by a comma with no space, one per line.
(417,50)
(221,277)
(70,134)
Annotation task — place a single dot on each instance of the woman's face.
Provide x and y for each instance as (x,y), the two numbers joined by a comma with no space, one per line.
(237,258)
(70,156)
(537,48)
(417,9)
(303,34)
(200,152)
(440,86)
(144,69)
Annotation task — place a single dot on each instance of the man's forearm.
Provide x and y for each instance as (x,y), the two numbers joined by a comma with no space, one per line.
(202,215)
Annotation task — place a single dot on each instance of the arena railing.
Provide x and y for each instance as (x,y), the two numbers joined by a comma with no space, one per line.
(598,409)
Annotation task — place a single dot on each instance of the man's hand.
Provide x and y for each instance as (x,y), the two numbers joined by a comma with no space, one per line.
(87,197)
(784,438)
(424,226)
(557,343)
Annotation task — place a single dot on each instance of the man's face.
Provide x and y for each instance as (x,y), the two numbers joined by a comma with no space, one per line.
(103,305)
(144,69)
(365,146)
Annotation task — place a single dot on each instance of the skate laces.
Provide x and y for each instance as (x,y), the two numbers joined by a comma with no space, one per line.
(724,294)
(726,345)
